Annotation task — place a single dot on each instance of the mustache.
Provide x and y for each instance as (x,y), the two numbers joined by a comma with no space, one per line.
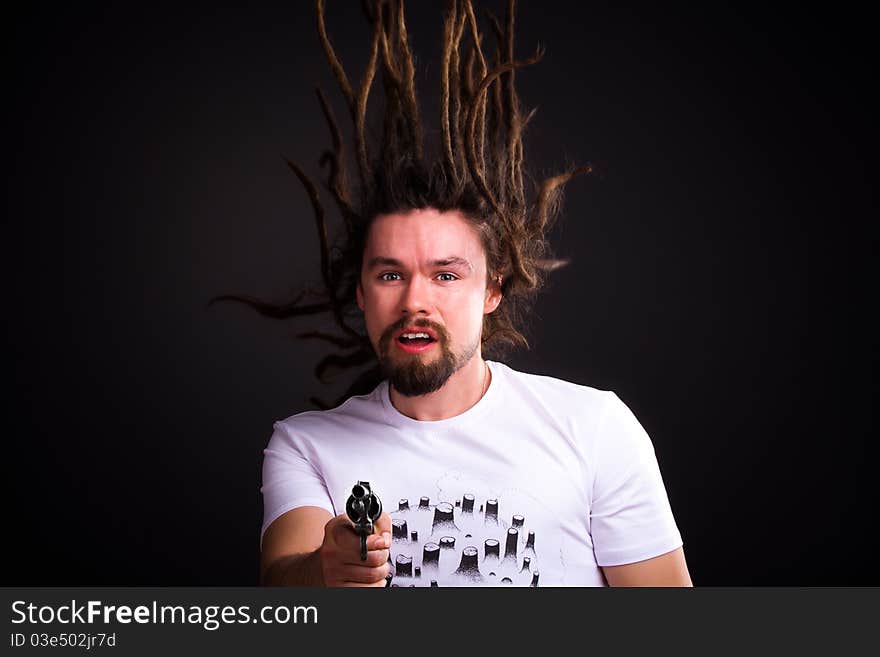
(420,322)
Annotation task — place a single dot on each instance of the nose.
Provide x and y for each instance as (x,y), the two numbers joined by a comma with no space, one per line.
(416,297)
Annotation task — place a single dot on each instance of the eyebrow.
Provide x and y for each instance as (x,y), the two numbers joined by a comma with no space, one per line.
(379,261)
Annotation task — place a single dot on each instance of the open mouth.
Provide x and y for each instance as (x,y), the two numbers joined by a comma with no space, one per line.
(415,341)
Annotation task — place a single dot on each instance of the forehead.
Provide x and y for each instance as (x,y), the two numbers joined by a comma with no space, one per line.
(424,235)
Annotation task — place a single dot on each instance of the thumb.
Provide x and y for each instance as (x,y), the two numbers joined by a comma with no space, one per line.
(383,525)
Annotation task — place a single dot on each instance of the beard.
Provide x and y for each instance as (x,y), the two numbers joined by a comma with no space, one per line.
(409,375)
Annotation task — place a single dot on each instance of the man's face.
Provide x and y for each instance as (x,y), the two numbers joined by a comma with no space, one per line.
(423,292)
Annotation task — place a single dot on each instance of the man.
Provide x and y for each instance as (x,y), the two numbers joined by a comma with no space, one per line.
(489,476)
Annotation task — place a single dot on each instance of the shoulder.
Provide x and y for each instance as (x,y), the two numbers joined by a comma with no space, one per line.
(361,408)
(553,391)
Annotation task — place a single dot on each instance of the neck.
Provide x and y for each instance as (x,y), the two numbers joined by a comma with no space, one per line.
(463,389)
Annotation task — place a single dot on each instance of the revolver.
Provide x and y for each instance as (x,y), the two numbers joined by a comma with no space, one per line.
(363,508)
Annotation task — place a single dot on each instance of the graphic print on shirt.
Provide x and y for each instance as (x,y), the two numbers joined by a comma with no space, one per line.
(465,543)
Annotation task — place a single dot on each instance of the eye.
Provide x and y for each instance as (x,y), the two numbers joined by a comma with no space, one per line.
(447,277)
(389,276)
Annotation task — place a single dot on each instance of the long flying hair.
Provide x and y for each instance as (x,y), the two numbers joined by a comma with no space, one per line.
(478,171)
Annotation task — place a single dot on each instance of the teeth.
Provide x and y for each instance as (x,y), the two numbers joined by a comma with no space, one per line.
(412,336)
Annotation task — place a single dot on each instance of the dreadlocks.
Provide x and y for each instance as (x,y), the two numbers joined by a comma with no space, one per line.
(478,171)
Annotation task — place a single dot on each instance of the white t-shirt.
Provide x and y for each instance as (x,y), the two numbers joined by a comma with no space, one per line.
(540,476)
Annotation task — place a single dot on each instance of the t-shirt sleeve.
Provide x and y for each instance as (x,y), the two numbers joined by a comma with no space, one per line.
(289,479)
(630,516)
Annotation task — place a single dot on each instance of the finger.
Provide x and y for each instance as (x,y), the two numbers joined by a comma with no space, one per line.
(379,541)
(383,523)
(371,585)
(349,540)
(374,558)
(365,575)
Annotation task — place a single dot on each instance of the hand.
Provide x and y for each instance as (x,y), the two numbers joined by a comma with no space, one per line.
(340,553)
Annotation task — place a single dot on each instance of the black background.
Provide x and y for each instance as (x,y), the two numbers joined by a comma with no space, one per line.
(721,280)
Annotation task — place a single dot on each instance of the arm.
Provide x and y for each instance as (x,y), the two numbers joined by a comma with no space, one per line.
(307,546)
(630,514)
(668,569)
(289,554)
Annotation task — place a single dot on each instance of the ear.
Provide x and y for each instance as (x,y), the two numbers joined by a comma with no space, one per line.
(360,295)
(493,296)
